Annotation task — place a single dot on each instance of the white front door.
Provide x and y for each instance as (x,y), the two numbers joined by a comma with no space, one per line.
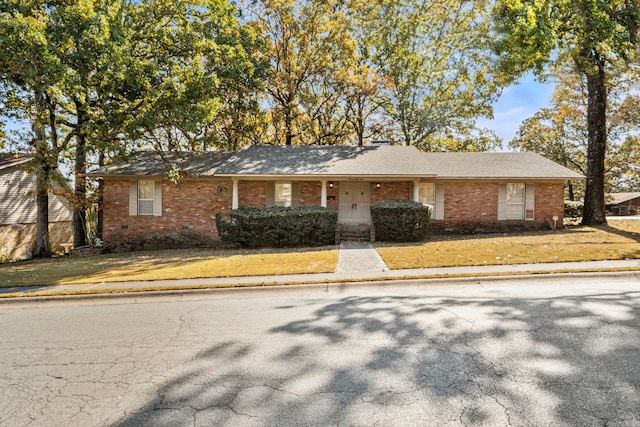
(354,201)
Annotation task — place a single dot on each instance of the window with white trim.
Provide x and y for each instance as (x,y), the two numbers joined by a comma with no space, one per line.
(427,195)
(283,194)
(515,200)
(146,191)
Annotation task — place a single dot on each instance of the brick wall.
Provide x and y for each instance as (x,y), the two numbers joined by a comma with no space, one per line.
(470,201)
(549,202)
(251,194)
(472,207)
(188,215)
(391,191)
(188,211)
(332,195)
(310,193)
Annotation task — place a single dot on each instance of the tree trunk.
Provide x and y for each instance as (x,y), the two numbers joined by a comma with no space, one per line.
(570,188)
(99,200)
(594,207)
(42,246)
(289,133)
(80,169)
(360,121)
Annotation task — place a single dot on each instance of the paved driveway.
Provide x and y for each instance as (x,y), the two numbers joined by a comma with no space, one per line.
(551,352)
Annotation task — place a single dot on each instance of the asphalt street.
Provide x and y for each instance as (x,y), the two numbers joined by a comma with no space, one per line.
(561,351)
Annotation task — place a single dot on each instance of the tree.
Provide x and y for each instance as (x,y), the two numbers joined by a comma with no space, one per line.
(558,132)
(436,57)
(362,83)
(30,77)
(110,76)
(305,44)
(596,36)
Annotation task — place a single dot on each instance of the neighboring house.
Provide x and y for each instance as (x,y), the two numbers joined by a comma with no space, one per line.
(18,211)
(623,203)
(469,192)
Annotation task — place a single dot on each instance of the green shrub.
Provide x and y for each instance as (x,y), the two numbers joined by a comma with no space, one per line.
(278,226)
(400,220)
(573,209)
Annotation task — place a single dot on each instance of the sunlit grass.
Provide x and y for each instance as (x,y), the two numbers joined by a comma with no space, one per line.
(164,265)
(619,240)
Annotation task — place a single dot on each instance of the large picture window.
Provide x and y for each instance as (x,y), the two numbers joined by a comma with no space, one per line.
(515,200)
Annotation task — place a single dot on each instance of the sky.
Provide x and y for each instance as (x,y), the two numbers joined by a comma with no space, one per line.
(517,103)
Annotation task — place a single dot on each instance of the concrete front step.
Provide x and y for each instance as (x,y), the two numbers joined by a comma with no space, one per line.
(354,233)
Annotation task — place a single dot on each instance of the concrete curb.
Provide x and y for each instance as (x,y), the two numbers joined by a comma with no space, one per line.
(110,294)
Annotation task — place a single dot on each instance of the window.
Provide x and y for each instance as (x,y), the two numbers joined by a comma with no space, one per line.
(432,195)
(515,201)
(283,194)
(145,197)
(427,193)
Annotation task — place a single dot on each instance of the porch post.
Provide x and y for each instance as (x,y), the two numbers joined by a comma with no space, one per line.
(323,194)
(416,191)
(234,194)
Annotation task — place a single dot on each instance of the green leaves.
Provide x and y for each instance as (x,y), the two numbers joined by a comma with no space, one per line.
(594,33)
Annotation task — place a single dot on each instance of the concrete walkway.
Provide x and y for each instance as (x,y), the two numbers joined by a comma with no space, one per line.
(359,257)
(356,262)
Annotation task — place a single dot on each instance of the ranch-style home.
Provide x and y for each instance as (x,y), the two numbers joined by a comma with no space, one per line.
(468,192)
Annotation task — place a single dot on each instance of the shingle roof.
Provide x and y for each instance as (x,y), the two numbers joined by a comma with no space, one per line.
(343,161)
(326,161)
(615,198)
(8,160)
(150,163)
(496,165)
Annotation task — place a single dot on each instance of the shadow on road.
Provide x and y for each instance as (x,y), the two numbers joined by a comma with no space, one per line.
(478,361)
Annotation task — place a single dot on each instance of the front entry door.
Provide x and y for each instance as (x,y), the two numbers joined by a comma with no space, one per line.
(354,201)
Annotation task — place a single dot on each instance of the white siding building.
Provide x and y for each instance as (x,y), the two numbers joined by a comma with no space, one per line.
(18,211)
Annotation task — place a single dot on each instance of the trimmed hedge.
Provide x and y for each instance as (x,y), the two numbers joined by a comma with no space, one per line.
(400,220)
(573,209)
(278,226)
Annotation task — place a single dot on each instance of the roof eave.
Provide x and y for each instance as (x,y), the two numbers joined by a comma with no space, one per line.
(325,176)
(15,163)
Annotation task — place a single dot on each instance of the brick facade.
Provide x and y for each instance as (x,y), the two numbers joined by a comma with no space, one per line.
(188,215)
(472,207)
(188,210)
(310,192)
(391,191)
(252,194)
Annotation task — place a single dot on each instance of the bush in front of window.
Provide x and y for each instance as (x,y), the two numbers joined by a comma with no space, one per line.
(278,226)
(400,220)
(573,209)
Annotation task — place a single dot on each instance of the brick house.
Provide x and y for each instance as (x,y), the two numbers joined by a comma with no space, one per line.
(468,192)
(623,203)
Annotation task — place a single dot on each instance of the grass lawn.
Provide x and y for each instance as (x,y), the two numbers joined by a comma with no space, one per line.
(168,264)
(619,240)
